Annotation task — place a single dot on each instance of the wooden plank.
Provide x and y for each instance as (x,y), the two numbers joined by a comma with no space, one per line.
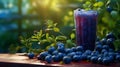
(18,60)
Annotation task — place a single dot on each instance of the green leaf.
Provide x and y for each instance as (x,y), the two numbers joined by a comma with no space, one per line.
(43,41)
(72,36)
(51,39)
(40,33)
(61,38)
(33,37)
(104,32)
(47,37)
(34,40)
(56,29)
(55,24)
(117,45)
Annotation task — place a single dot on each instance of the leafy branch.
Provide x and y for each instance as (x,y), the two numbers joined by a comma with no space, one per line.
(44,38)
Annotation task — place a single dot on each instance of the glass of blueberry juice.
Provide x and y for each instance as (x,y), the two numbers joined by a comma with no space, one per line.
(86,25)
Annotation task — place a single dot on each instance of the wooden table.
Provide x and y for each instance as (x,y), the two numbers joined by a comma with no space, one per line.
(18,60)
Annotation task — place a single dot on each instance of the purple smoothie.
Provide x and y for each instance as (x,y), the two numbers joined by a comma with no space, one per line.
(86,25)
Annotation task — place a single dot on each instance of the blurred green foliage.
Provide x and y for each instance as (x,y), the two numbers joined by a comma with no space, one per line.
(45,38)
(56,21)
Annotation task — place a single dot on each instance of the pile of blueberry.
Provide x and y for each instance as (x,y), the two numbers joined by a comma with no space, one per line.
(103,53)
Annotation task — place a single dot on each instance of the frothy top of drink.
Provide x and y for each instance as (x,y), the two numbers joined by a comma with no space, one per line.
(83,12)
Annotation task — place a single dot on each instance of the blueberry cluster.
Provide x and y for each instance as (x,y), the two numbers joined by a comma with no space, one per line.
(67,55)
(103,53)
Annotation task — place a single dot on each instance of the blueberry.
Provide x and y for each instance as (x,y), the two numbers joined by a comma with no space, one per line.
(111,54)
(95,53)
(42,55)
(111,50)
(76,58)
(55,58)
(98,38)
(67,59)
(71,54)
(94,59)
(59,44)
(110,35)
(73,49)
(105,47)
(31,55)
(51,49)
(79,48)
(89,57)
(78,53)
(68,50)
(61,55)
(98,43)
(100,59)
(111,59)
(103,51)
(105,54)
(110,41)
(48,59)
(118,57)
(88,52)
(103,41)
(84,57)
(106,61)
(61,48)
(109,9)
(55,52)
(98,48)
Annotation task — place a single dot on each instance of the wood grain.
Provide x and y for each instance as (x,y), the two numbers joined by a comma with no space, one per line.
(18,60)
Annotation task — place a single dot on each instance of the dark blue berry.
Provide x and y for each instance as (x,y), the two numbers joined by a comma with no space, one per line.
(88,52)
(48,59)
(100,59)
(94,59)
(55,52)
(51,49)
(42,55)
(61,55)
(79,48)
(68,50)
(105,47)
(111,59)
(31,55)
(95,53)
(55,58)
(98,43)
(61,48)
(89,57)
(98,47)
(73,49)
(84,57)
(59,44)
(76,58)
(71,54)
(103,41)
(103,51)
(118,57)
(110,41)
(106,61)
(109,9)
(78,53)
(105,54)
(110,35)
(111,50)
(67,59)
(98,38)
(112,54)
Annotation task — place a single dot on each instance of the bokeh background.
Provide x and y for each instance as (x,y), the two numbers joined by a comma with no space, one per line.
(25,17)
